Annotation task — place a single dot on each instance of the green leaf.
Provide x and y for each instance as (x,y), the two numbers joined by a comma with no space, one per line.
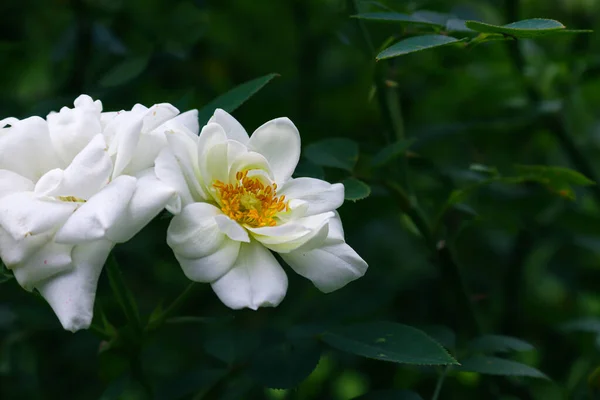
(285,365)
(395,17)
(529,28)
(336,153)
(125,71)
(557,179)
(417,43)
(499,366)
(389,341)
(234,98)
(498,344)
(355,189)
(391,152)
(390,394)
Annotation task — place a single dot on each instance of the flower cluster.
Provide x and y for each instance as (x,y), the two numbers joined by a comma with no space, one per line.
(82,180)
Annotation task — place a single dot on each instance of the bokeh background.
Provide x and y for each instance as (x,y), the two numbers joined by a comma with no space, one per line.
(531,259)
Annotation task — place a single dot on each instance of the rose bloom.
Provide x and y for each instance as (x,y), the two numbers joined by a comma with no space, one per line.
(71,187)
(240,203)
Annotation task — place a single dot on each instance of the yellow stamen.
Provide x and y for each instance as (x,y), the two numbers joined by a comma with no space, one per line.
(250,202)
(71,199)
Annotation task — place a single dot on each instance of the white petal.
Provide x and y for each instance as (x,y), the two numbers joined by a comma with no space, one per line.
(48,261)
(157,115)
(71,294)
(148,148)
(167,170)
(203,251)
(256,280)
(233,129)
(212,154)
(279,141)
(189,119)
(123,134)
(305,233)
(104,210)
(320,196)
(71,129)
(26,148)
(150,198)
(85,176)
(247,162)
(184,148)
(23,215)
(14,252)
(330,266)
(11,182)
(232,229)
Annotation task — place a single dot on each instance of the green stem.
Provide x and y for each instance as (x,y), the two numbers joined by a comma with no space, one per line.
(123,295)
(100,332)
(439,384)
(450,269)
(173,307)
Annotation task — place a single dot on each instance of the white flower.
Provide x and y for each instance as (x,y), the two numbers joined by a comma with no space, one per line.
(240,201)
(71,187)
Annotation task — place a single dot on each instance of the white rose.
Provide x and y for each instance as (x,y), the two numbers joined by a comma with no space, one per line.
(240,203)
(73,186)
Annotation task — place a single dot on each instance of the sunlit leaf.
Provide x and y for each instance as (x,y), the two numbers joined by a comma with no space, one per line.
(417,43)
(355,189)
(389,341)
(339,153)
(234,98)
(498,366)
(558,179)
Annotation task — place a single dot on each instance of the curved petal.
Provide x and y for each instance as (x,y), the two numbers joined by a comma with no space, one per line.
(157,115)
(14,252)
(189,119)
(203,251)
(279,141)
(329,267)
(104,210)
(167,170)
(233,129)
(148,148)
(48,261)
(11,182)
(149,199)
(212,154)
(319,195)
(23,215)
(305,233)
(231,228)
(247,162)
(123,135)
(256,280)
(85,176)
(71,294)
(184,148)
(71,129)
(26,148)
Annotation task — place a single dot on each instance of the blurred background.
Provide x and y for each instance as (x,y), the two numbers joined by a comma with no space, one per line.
(531,259)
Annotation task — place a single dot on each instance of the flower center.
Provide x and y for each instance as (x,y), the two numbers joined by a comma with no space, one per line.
(250,202)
